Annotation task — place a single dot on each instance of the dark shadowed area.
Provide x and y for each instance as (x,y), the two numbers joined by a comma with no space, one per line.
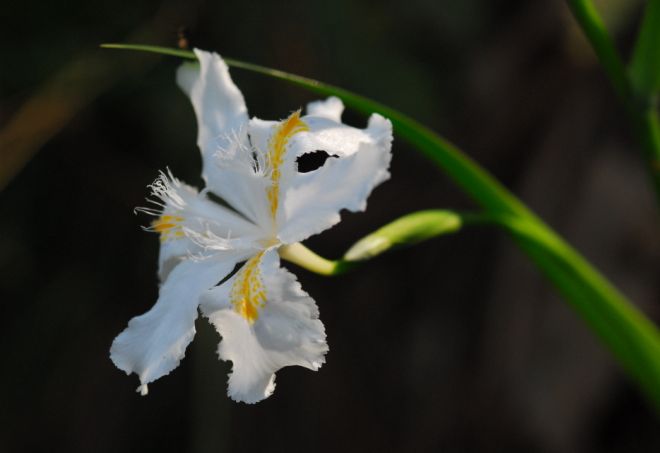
(457,345)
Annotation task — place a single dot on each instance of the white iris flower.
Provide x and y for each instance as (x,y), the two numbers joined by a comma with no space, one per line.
(264,317)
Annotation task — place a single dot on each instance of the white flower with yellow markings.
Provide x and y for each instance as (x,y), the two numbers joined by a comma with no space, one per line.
(255,201)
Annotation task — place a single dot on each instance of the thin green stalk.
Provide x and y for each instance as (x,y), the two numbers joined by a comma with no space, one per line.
(639,105)
(593,27)
(631,337)
(304,257)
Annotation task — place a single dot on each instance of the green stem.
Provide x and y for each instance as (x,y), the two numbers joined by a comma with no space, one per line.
(305,258)
(639,108)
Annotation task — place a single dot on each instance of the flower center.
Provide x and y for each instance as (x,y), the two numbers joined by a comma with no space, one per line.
(248,293)
(276,151)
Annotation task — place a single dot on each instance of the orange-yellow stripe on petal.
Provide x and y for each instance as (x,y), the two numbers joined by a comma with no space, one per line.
(248,294)
(168,226)
(276,151)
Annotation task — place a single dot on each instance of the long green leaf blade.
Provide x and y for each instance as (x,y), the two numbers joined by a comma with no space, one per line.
(645,64)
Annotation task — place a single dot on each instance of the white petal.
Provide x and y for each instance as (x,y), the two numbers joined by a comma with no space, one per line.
(172,252)
(260,132)
(244,190)
(287,332)
(219,105)
(312,201)
(153,343)
(330,108)
(228,164)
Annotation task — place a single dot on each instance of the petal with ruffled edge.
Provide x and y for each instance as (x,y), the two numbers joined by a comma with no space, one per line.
(229,168)
(310,202)
(330,108)
(153,343)
(286,331)
(218,103)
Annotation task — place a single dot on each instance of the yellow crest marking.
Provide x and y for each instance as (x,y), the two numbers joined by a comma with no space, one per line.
(276,151)
(169,227)
(247,293)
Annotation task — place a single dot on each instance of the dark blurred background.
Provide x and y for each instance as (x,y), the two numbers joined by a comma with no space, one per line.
(458,345)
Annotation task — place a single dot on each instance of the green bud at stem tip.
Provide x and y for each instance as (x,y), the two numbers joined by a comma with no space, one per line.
(407,230)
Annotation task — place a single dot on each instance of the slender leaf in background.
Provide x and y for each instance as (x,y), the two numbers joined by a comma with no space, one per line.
(636,99)
(592,25)
(632,338)
(645,65)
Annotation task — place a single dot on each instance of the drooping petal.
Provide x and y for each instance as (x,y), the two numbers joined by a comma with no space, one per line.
(153,343)
(263,333)
(311,202)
